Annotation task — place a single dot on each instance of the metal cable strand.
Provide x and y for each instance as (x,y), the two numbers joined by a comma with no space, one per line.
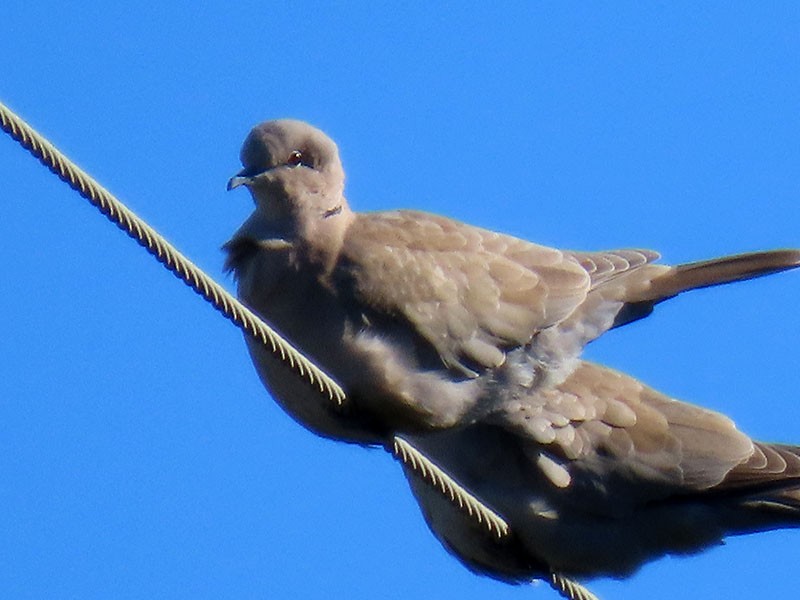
(164,252)
(567,588)
(436,477)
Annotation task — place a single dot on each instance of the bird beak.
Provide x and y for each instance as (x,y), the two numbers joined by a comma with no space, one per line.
(237,180)
(246,177)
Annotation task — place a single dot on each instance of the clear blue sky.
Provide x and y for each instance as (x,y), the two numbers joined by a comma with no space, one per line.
(139,455)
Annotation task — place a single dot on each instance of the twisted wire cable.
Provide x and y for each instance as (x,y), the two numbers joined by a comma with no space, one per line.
(569,588)
(437,478)
(164,252)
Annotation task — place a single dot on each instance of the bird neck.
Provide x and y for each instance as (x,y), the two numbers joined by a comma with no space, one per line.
(314,224)
(321,234)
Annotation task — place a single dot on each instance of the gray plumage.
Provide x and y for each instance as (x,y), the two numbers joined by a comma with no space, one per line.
(468,341)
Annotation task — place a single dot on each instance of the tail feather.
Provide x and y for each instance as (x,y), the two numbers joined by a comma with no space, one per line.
(764,491)
(719,271)
(788,500)
(770,466)
(652,284)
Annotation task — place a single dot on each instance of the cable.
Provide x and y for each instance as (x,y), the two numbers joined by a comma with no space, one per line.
(164,252)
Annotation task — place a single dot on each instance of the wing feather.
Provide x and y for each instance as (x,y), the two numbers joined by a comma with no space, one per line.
(605,426)
(469,292)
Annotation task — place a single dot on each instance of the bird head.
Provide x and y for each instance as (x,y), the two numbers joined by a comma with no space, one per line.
(296,179)
(290,166)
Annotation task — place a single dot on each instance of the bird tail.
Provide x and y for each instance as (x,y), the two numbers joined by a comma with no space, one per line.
(767,487)
(718,271)
(662,282)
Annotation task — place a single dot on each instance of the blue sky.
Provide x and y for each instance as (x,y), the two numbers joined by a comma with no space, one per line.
(139,454)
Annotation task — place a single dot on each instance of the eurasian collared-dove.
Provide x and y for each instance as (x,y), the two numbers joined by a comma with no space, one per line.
(599,474)
(467,342)
(427,323)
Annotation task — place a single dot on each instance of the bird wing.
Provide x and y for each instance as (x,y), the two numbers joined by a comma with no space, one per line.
(613,440)
(600,473)
(469,292)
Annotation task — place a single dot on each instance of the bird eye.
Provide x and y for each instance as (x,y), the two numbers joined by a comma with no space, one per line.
(295,158)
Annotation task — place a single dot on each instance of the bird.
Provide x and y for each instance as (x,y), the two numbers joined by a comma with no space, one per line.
(599,475)
(468,343)
(427,323)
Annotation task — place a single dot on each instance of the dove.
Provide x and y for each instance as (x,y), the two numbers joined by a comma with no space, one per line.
(599,474)
(428,323)
(468,343)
